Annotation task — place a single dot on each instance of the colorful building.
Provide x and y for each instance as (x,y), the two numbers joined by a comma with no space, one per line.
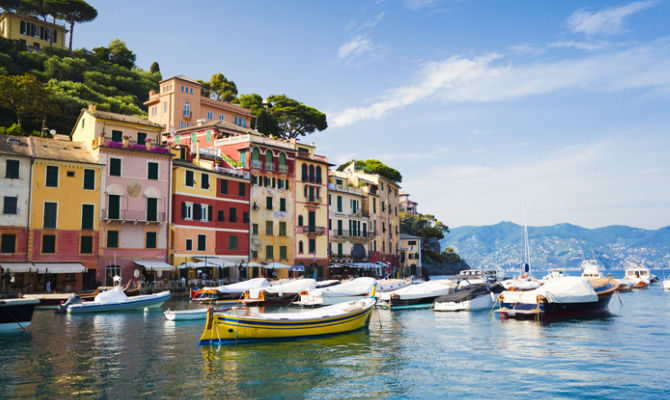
(408,206)
(63,235)
(410,255)
(180,104)
(31,31)
(349,225)
(210,223)
(134,197)
(311,211)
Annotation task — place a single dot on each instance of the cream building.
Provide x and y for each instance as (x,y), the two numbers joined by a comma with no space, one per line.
(349,225)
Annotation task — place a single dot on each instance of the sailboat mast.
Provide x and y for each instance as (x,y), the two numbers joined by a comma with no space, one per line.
(526,247)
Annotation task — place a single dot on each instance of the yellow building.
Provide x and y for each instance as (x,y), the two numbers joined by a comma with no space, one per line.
(311,210)
(410,254)
(64,208)
(31,31)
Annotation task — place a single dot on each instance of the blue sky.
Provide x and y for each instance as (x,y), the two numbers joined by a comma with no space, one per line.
(473,102)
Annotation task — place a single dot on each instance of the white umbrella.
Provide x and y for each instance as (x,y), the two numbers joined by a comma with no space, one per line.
(276,265)
(253,264)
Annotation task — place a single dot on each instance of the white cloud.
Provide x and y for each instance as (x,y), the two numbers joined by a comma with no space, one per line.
(588,46)
(419,4)
(606,21)
(488,79)
(355,47)
(371,23)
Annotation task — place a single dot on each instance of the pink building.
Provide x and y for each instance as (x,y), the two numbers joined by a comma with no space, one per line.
(179,104)
(135,194)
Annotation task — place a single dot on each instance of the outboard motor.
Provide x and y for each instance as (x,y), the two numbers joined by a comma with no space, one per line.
(62,308)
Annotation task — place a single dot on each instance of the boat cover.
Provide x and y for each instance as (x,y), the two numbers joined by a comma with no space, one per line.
(115,295)
(293,286)
(255,283)
(427,289)
(567,289)
(469,292)
(355,287)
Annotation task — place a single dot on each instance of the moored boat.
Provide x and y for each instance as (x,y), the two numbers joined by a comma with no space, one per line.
(639,276)
(16,313)
(469,297)
(416,296)
(560,297)
(591,269)
(243,324)
(228,293)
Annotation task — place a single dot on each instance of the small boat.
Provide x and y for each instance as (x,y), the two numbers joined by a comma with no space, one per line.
(346,291)
(285,292)
(560,297)
(522,283)
(553,274)
(228,293)
(639,275)
(591,269)
(16,313)
(625,285)
(469,297)
(328,283)
(242,324)
(389,285)
(114,300)
(416,296)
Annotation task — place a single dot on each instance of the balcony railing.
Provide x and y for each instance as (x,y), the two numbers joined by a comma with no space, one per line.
(256,164)
(234,172)
(307,230)
(345,233)
(130,145)
(132,215)
(283,169)
(313,199)
(269,166)
(187,114)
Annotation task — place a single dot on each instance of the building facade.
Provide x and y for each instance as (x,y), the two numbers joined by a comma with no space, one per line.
(179,104)
(134,196)
(31,31)
(408,206)
(410,255)
(349,224)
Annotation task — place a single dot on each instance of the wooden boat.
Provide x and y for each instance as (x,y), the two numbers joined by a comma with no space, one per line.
(241,324)
(559,297)
(16,313)
(416,296)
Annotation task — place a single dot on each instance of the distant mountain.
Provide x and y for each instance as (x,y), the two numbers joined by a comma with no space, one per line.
(559,246)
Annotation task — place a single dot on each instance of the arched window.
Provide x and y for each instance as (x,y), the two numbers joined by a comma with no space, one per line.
(282,163)
(300,248)
(299,220)
(318,174)
(311,173)
(268,160)
(255,155)
(304,172)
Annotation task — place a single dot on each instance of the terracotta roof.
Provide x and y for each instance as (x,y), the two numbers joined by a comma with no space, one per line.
(53,149)
(183,78)
(408,236)
(132,119)
(15,145)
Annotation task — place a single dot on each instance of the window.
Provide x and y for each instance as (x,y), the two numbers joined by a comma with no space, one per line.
(12,171)
(114,204)
(282,229)
(9,206)
(282,253)
(52,176)
(311,173)
(304,172)
(220,117)
(232,214)
(202,243)
(152,209)
(220,217)
(115,166)
(374,205)
(224,186)
(268,160)
(269,252)
(189,181)
(339,203)
(232,242)
(339,227)
(204,181)
(312,246)
(245,217)
(8,243)
(50,215)
(209,115)
(186,210)
(117,136)
(318,174)
(339,249)
(282,204)
(268,203)
(141,137)
(165,106)
(300,220)
(152,171)
(70,174)
(300,247)
(112,239)
(208,135)
(89,179)
(194,137)
(87,216)
(189,244)
(311,220)
(254,229)
(86,245)
(268,228)
(241,189)
(48,244)
(151,240)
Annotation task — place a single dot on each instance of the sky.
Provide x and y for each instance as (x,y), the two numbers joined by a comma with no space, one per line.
(478,104)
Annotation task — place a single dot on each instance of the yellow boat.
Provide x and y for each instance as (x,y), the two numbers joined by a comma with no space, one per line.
(243,325)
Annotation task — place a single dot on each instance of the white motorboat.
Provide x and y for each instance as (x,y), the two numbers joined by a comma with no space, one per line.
(389,285)
(114,300)
(469,297)
(185,315)
(553,274)
(416,296)
(229,293)
(346,291)
(639,275)
(291,287)
(16,313)
(591,269)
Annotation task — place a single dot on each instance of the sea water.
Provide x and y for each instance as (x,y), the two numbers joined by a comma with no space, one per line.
(403,354)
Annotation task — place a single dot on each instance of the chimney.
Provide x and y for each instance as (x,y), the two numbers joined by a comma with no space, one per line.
(92,108)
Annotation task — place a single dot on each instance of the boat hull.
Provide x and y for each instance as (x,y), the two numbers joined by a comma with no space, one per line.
(16,313)
(185,315)
(397,303)
(134,303)
(481,302)
(227,328)
(553,310)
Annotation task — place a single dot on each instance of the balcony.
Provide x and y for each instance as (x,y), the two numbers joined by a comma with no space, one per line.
(132,146)
(269,166)
(345,189)
(132,216)
(234,172)
(310,230)
(187,114)
(257,164)
(283,169)
(352,235)
(313,199)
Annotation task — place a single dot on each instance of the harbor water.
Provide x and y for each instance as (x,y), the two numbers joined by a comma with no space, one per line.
(403,354)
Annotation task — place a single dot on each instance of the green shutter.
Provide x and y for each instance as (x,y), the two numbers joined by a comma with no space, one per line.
(87,216)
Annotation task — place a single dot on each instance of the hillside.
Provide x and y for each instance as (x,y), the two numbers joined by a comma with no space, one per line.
(559,246)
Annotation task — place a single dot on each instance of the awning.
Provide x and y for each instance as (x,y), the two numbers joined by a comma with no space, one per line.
(154,265)
(199,264)
(276,265)
(17,267)
(219,261)
(366,265)
(253,264)
(60,268)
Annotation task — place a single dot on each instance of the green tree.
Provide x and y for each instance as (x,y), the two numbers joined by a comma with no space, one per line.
(119,54)
(155,68)
(374,167)
(75,11)
(219,88)
(41,8)
(294,118)
(24,95)
(10,5)
(264,121)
